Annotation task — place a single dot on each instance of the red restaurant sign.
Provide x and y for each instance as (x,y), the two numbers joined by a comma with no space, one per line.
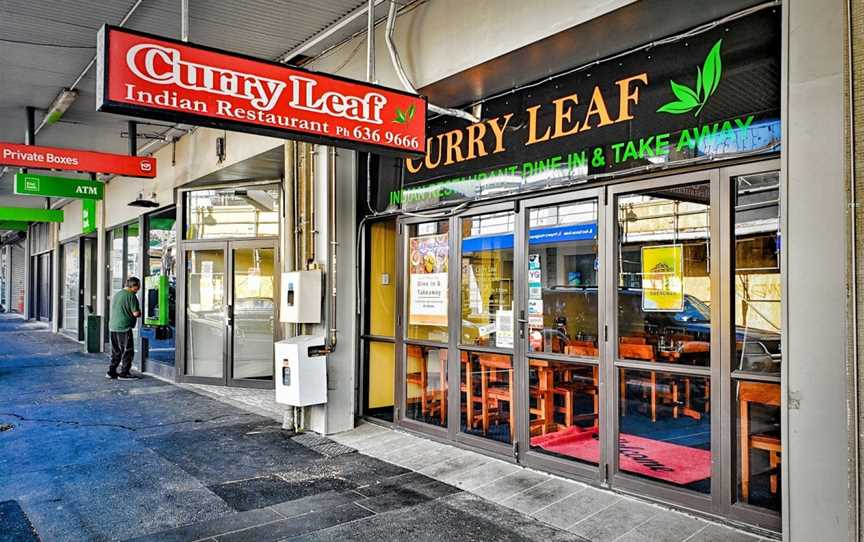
(159,78)
(33,157)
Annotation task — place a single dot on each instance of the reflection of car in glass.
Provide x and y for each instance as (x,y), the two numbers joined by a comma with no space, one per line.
(757,349)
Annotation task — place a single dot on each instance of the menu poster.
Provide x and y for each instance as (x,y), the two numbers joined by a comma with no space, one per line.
(535,292)
(663,278)
(428,260)
(504,329)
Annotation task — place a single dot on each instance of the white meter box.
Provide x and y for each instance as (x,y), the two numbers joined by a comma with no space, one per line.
(301,378)
(301,297)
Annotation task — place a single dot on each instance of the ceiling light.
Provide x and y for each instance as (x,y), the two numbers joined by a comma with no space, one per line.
(141,201)
(60,104)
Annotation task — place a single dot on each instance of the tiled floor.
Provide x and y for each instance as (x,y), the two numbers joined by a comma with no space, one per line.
(591,513)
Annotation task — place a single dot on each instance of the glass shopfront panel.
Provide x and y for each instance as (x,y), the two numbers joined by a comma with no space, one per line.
(563,267)
(663,303)
(428,253)
(253,296)
(756,367)
(426,384)
(564,409)
(223,213)
(487,280)
(71,282)
(379,374)
(206,312)
(487,394)
(162,261)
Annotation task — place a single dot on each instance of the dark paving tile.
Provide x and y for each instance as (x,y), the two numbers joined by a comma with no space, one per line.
(394,499)
(15,526)
(205,529)
(413,481)
(356,468)
(299,525)
(315,503)
(133,495)
(461,517)
(244,451)
(544,494)
(269,490)
(510,485)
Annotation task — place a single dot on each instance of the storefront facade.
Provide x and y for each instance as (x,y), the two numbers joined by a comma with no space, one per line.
(643,317)
(597,292)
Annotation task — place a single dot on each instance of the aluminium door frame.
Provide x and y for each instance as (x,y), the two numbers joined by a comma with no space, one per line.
(630,483)
(402,341)
(182,374)
(731,509)
(571,468)
(228,370)
(510,451)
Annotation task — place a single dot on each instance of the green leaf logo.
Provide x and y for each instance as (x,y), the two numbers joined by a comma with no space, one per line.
(402,117)
(707,81)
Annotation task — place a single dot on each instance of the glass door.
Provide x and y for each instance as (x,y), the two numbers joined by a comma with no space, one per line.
(251,313)
(666,358)
(560,318)
(230,293)
(206,306)
(424,372)
(488,380)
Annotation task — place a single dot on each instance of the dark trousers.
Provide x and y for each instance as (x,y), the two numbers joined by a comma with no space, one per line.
(122,350)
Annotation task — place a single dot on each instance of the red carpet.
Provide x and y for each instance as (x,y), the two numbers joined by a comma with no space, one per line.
(657,459)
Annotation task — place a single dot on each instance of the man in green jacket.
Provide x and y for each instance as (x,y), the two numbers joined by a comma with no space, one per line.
(124,313)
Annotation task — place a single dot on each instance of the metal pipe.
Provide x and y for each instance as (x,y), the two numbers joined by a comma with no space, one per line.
(370,42)
(133,138)
(321,37)
(30,136)
(184,20)
(403,77)
(331,329)
(853,231)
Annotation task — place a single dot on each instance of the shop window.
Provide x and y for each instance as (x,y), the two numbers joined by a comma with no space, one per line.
(563,266)
(487,280)
(428,252)
(757,327)
(251,212)
(380,284)
(487,393)
(665,428)
(664,285)
(426,384)
(71,283)
(664,336)
(564,409)
(161,261)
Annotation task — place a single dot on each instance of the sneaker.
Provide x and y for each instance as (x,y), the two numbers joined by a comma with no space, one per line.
(128,376)
(112,376)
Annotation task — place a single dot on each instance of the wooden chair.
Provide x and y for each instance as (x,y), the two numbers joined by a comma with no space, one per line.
(633,340)
(493,391)
(766,394)
(576,380)
(433,401)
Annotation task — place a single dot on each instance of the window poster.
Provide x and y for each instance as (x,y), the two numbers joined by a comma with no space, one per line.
(663,278)
(535,292)
(428,261)
(504,329)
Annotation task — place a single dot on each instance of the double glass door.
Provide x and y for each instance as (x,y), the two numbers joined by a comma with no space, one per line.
(603,333)
(229,297)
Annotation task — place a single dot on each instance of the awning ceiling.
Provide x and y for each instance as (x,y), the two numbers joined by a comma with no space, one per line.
(45,45)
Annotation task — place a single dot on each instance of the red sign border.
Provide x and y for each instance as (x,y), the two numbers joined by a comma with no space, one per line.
(103,104)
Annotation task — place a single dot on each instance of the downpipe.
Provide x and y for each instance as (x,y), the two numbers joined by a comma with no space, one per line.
(330,327)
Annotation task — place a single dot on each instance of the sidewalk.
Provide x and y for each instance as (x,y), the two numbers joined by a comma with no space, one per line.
(86,458)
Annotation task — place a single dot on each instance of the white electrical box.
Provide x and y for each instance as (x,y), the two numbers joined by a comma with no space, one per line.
(301,297)
(301,378)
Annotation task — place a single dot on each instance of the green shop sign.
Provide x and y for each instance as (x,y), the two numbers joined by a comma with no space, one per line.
(703,96)
(25,214)
(27,184)
(88,216)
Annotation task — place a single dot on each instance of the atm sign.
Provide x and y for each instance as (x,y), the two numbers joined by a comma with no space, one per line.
(27,184)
